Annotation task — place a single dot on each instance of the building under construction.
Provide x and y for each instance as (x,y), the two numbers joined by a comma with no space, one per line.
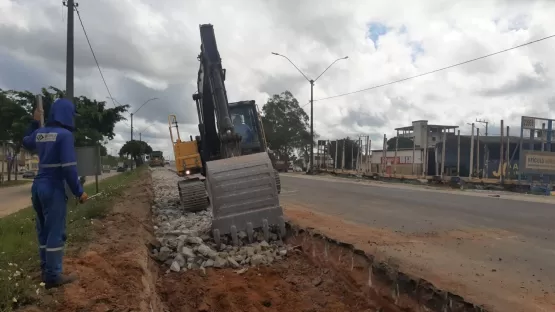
(405,153)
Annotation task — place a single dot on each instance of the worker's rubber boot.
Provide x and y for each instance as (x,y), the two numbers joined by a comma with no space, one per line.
(62,280)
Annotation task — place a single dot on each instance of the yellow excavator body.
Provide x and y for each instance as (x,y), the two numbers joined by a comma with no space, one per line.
(187,157)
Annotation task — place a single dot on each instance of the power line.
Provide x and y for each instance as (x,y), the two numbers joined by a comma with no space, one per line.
(94,56)
(433,71)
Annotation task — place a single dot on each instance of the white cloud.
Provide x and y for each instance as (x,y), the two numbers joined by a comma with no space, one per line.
(156,44)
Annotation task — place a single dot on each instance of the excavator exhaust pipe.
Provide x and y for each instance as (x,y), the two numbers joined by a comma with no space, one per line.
(243,195)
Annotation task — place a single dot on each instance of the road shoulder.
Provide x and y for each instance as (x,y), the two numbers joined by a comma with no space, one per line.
(444,259)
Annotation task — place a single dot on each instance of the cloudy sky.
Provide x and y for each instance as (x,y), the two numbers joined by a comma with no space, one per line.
(149,48)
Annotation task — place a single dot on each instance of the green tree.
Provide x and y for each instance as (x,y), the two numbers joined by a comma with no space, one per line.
(286,126)
(95,122)
(94,125)
(135,149)
(14,120)
(103,150)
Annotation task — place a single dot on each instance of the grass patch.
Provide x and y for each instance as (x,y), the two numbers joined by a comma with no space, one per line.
(15,183)
(19,261)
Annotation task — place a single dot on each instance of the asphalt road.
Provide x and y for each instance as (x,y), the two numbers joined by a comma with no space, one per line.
(492,249)
(18,197)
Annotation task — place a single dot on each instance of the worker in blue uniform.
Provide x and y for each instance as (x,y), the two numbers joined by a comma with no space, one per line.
(57,164)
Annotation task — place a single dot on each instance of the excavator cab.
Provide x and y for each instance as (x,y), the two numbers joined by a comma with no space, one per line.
(247,124)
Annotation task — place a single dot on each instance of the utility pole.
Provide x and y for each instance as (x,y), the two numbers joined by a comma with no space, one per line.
(69,49)
(69,61)
(484,122)
(311,125)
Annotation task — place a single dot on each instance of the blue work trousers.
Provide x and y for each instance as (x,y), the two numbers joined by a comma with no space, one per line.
(50,204)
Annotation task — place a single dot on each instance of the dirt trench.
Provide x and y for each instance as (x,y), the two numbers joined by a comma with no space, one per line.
(117,274)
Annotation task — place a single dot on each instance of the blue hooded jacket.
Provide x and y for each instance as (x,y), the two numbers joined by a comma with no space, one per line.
(55,147)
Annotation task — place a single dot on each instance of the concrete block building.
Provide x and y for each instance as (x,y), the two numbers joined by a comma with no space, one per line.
(419,159)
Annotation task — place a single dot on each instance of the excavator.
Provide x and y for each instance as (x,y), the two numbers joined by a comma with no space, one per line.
(188,165)
(187,157)
(237,173)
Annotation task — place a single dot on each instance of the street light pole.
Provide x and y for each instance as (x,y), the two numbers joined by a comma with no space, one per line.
(311,81)
(133,112)
(311,125)
(136,112)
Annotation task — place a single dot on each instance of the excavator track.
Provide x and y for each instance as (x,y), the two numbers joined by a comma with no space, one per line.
(244,197)
(192,194)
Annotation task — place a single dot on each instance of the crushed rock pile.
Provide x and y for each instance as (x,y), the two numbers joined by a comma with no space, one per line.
(183,240)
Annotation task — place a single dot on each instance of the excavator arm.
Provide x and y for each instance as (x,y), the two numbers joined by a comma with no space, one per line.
(217,133)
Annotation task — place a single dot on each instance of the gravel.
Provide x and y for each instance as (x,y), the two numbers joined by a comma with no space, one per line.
(183,240)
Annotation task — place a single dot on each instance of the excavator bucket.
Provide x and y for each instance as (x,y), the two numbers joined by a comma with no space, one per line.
(243,195)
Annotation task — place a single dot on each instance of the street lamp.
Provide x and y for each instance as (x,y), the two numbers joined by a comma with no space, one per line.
(135,112)
(311,81)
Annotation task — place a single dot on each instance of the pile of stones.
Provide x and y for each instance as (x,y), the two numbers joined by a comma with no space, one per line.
(183,241)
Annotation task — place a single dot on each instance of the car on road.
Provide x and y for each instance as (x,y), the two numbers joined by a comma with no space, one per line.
(121,169)
(28,174)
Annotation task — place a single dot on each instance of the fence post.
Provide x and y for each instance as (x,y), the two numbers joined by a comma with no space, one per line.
(369,150)
(395,156)
(413,154)
(335,160)
(343,156)
(459,153)
(508,164)
(443,154)
(478,152)
(384,154)
(471,167)
(502,174)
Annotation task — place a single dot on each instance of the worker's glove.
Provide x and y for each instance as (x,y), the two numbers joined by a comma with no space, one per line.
(83,198)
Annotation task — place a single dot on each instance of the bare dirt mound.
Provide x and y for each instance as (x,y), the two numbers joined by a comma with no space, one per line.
(115,272)
(296,284)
